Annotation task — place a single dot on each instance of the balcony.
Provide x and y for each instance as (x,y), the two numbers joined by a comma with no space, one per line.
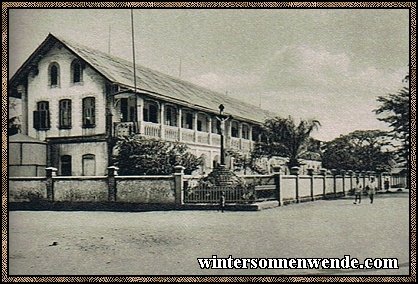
(176,134)
(122,129)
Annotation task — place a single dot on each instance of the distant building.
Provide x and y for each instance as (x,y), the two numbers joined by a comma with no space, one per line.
(76,99)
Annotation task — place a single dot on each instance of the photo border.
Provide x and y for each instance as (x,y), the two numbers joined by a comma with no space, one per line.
(411,6)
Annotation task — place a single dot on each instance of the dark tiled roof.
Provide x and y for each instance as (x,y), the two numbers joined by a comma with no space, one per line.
(120,71)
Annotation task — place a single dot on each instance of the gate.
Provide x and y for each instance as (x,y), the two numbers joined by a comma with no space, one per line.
(233,194)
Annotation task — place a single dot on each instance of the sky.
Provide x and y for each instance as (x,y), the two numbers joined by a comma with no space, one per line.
(324,64)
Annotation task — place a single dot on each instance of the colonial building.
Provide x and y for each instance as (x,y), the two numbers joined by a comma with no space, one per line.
(76,99)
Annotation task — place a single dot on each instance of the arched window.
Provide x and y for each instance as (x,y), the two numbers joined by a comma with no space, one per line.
(234,129)
(245,131)
(89,112)
(54,74)
(151,112)
(66,165)
(76,71)
(187,119)
(89,165)
(170,116)
(65,114)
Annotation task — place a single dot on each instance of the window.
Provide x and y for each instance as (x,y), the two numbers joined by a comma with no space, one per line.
(245,131)
(170,116)
(76,71)
(89,165)
(151,112)
(65,114)
(256,133)
(234,129)
(187,120)
(89,115)
(66,165)
(41,116)
(216,126)
(202,122)
(54,75)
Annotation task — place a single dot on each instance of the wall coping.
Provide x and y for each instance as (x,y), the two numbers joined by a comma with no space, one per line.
(144,177)
(27,178)
(78,177)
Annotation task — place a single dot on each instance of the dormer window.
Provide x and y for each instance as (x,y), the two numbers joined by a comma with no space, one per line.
(76,72)
(54,75)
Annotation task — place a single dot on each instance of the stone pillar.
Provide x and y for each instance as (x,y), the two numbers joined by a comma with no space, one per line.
(324,174)
(277,181)
(334,177)
(343,177)
(112,172)
(295,171)
(311,174)
(51,172)
(178,185)
(351,174)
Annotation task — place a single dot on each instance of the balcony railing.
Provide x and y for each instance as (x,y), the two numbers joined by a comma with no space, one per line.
(125,128)
(235,143)
(187,135)
(203,137)
(172,133)
(152,129)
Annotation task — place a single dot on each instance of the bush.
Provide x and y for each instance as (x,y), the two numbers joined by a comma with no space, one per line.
(136,155)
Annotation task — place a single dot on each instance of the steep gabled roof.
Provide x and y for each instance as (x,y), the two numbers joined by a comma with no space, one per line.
(120,71)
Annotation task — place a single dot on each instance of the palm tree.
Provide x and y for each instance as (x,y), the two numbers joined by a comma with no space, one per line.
(282,137)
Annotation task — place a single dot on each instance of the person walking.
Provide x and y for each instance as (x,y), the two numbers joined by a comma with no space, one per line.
(357,191)
(372,189)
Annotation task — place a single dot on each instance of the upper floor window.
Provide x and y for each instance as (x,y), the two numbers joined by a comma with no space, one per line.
(170,116)
(234,129)
(54,74)
(89,112)
(202,122)
(65,113)
(216,126)
(41,119)
(245,131)
(151,112)
(187,120)
(256,133)
(76,71)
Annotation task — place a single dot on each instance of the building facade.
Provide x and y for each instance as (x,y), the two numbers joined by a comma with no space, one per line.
(77,99)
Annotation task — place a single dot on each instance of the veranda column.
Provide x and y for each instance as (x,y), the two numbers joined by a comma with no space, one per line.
(162,120)
(195,125)
(179,122)
(210,129)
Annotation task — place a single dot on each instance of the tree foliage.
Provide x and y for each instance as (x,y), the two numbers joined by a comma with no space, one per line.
(359,150)
(136,155)
(283,137)
(395,110)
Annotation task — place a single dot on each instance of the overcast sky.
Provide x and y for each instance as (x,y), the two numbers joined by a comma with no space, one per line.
(326,64)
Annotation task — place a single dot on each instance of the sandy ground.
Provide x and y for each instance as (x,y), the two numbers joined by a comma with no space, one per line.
(169,242)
